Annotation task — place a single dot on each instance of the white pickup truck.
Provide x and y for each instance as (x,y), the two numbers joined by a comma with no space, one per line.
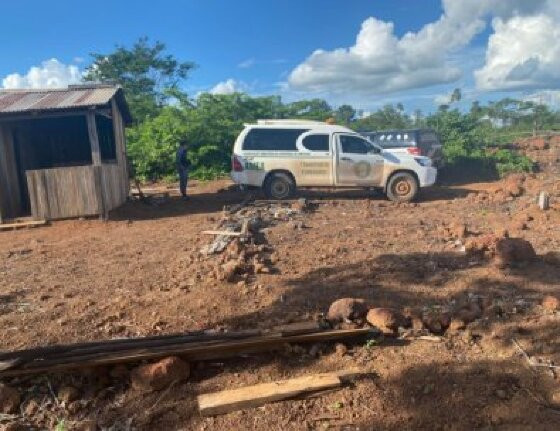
(282,155)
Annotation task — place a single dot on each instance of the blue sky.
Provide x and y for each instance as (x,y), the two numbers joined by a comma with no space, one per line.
(267,47)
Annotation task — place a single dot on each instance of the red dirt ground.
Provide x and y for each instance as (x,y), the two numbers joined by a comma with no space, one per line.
(141,273)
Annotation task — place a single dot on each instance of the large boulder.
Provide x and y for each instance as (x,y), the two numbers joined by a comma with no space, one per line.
(9,399)
(387,320)
(347,309)
(154,377)
(513,251)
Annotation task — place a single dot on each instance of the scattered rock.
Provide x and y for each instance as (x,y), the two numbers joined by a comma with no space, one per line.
(469,312)
(482,246)
(9,399)
(513,185)
(300,205)
(340,349)
(31,408)
(347,309)
(501,394)
(87,425)
(387,320)
(512,251)
(436,321)
(153,377)
(459,230)
(543,201)
(456,325)
(228,271)
(67,394)
(315,350)
(551,303)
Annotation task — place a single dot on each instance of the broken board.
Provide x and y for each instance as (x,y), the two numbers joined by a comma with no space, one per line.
(222,232)
(258,395)
(24,224)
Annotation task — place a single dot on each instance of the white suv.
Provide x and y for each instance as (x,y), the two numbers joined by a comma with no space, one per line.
(281,155)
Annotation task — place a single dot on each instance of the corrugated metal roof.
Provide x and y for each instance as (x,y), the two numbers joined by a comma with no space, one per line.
(41,100)
(78,96)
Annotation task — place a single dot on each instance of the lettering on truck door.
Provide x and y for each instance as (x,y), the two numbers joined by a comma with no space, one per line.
(316,159)
(358,162)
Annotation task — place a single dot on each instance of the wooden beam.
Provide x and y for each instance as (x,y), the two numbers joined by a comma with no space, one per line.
(93,139)
(222,232)
(19,225)
(7,118)
(258,395)
(85,357)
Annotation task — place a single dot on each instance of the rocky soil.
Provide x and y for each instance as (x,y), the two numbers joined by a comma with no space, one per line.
(464,284)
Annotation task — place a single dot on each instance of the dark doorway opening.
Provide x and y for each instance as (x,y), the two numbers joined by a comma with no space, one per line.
(48,143)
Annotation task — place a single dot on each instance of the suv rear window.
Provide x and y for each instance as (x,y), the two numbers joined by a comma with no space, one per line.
(272,139)
(316,143)
(428,137)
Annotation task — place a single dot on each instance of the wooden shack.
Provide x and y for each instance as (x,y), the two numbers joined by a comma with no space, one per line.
(62,152)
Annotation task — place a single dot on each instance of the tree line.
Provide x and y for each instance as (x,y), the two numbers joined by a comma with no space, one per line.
(164,115)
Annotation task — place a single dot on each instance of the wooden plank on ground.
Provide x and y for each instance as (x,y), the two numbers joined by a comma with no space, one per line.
(31,223)
(222,232)
(196,351)
(258,395)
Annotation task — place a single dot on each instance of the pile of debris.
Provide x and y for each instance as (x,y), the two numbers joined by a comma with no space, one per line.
(240,249)
(433,320)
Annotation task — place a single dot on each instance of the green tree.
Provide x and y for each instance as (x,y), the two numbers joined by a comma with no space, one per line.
(313,109)
(148,75)
(345,114)
(456,96)
(388,117)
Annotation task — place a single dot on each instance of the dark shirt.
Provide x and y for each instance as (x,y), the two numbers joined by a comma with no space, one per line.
(181,158)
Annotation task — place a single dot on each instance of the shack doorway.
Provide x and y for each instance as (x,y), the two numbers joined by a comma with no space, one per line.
(46,143)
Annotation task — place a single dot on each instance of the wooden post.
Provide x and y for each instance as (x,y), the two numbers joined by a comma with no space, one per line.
(93,139)
(120,144)
(96,161)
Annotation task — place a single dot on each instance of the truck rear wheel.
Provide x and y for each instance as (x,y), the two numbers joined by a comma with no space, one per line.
(279,186)
(402,187)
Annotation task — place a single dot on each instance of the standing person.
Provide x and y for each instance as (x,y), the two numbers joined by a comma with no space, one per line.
(182,168)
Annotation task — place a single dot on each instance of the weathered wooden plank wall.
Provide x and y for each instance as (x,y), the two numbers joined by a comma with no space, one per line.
(114,190)
(63,192)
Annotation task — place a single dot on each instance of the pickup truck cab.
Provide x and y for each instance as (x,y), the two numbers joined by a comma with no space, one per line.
(282,155)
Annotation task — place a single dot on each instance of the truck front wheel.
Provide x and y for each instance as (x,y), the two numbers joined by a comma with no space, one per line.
(402,187)
(279,186)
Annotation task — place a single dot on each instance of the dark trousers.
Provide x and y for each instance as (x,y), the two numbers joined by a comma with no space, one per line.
(183,180)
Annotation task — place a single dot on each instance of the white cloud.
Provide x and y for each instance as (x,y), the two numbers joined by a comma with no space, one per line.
(229,86)
(250,62)
(380,62)
(442,99)
(545,97)
(523,52)
(50,74)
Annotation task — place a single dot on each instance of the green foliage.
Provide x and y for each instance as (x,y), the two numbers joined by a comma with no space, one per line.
(388,117)
(210,126)
(148,75)
(507,161)
(471,144)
